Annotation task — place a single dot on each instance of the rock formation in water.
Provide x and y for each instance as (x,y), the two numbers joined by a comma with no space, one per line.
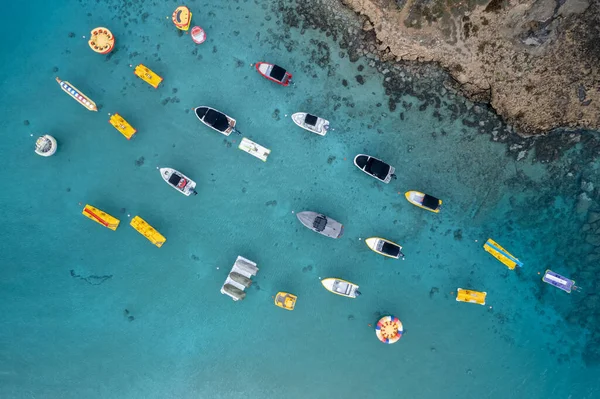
(536,62)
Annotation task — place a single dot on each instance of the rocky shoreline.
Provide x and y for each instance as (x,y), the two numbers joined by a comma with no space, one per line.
(536,62)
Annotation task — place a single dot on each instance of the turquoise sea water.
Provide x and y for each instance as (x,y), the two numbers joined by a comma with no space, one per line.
(67,282)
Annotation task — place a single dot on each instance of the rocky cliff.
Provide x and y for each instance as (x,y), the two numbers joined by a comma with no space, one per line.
(536,62)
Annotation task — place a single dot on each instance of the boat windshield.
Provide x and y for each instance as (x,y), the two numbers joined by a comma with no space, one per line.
(430,202)
(277,73)
(174,179)
(341,287)
(310,120)
(319,223)
(390,249)
(217,120)
(377,168)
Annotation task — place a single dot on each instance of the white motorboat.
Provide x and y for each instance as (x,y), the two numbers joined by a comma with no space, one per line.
(321,224)
(45,145)
(311,123)
(384,247)
(341,287)
(178,181)
(216,120)
(375,167)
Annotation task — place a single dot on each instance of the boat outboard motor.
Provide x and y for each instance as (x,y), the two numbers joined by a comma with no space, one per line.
(357,293)
(195,192)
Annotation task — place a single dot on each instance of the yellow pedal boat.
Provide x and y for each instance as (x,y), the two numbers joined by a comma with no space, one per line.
(341,287)
(148,231)
(502,254)
(101,217)
(147,75)
(424,201)
(285,300)
(122,126)
(470,296)
(384,247)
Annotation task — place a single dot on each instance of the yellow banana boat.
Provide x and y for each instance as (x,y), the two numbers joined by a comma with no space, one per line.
(501,254)
(101,217)
(147,75)
(122,126)
(147,231)
(471,296)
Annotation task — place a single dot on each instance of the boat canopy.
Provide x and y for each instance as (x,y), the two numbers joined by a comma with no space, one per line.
(377,168)
(430,202)
(217,120)
(277,73)
(390,249)
(310,120)
(361,161)
(174,179)
(201,111)
(320,222)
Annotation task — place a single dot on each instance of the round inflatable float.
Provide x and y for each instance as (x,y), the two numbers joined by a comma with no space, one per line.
(101,40)
(182,18)
(389,329)
(198,35)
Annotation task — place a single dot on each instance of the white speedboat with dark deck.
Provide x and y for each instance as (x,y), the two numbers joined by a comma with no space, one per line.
(216,120)
(375,167)
(178,181)
(311,123)
(384,247)
(321,224)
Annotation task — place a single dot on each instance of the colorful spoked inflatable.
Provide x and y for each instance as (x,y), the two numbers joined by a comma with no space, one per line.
(389,329)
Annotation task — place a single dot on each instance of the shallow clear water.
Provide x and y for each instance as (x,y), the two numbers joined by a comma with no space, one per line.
(67,281)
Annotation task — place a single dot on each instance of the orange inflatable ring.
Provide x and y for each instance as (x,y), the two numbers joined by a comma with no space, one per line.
(389,329)
(102,40)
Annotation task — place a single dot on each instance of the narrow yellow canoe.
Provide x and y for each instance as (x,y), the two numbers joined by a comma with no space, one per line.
(101,217)
(147,75)
(285,300)
(501,254)
(471,296)
(147,231)
(424,201)
(122,126)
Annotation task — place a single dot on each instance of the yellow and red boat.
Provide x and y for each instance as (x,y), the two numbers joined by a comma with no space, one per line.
(182,18)
(148,231)
(102,40)
(147,75)
(285,300)
(77,95)
(101,217)
(471,296)
(122,126)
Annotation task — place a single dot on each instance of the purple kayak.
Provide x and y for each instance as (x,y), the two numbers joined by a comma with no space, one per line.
(558,281)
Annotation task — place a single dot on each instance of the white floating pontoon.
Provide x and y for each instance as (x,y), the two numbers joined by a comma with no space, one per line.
(254,149)
(239,278)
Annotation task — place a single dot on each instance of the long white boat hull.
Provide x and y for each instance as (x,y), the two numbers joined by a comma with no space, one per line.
(320,126)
